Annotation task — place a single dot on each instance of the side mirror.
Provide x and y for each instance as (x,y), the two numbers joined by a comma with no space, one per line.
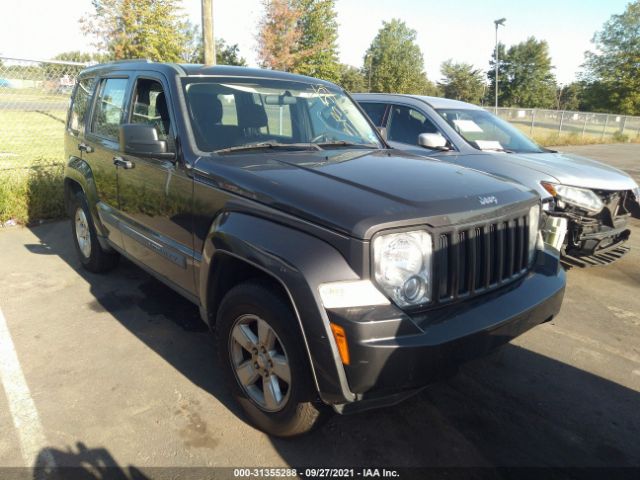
(433,141)
(142,140)
(383,132)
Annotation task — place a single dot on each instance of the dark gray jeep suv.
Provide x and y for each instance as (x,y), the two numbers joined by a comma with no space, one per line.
(335,270)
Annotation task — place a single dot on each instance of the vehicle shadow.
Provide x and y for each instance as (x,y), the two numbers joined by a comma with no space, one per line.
(159,317)
(513,408)
(82,463)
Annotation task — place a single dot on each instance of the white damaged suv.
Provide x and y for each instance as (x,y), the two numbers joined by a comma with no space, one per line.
(587,203)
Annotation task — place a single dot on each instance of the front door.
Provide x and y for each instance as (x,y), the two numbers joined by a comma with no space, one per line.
(155,194)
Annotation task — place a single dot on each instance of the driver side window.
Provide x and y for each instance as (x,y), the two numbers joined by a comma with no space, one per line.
(406,124)
(150,107)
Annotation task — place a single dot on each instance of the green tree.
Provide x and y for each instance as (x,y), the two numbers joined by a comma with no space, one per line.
(394,63)
(525,77)
(351,79)
(74,56)
(317,46)
(614,69)
(229,54)
(226,54)
(153,29)
(569,97)
(461,81)
(300,36)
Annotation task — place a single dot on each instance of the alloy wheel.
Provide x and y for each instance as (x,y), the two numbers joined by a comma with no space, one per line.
(260,362)
(83,234)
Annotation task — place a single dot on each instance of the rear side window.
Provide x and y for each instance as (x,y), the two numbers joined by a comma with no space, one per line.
(80,104)
(375,111)
(109,107)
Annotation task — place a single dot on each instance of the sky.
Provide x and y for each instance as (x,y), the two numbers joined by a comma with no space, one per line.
(462,30)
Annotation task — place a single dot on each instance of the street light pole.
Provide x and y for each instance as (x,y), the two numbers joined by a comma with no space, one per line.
(498,23)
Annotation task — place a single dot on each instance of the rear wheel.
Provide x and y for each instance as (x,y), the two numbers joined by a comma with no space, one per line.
(92,256)
(265,363)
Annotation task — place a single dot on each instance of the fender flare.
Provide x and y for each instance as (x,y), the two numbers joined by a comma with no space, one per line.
(299,262)
(77,170)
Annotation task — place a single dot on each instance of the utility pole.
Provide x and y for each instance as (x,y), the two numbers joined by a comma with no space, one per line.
(560,96)
(498,23)
(208,41)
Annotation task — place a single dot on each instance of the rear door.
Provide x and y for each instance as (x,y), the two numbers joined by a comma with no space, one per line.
(155,195)
(101,145)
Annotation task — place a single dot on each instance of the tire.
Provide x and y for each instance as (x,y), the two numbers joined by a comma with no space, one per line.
(91,254)
(244,308)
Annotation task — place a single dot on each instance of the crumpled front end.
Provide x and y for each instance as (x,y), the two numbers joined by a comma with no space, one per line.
(586,238)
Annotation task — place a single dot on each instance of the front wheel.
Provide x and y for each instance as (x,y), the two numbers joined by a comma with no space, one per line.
(265,363)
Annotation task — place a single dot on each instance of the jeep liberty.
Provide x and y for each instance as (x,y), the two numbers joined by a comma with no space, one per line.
(336,272)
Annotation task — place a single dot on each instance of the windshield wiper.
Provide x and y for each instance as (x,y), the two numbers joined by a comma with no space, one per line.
(270,145)
(505,150)
(342,143)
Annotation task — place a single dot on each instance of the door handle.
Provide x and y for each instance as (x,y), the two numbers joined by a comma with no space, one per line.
(121,162)
(83,147)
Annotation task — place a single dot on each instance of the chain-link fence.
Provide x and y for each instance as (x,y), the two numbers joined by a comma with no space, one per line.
(592,127)
(34,96)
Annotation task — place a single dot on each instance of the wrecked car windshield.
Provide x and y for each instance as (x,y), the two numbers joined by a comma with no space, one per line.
(485,131)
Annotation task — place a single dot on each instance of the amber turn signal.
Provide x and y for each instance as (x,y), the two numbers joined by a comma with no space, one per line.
(549,188)
(341,341)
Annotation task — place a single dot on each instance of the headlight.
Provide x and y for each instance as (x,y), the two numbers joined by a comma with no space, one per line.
(579,197)
(534,227)
(402,266)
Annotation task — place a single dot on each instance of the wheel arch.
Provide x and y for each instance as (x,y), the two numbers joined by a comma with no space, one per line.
(78,177)
(242,247)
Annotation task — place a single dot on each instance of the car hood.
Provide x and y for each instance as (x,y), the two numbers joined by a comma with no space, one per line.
(359,192)
(575,170)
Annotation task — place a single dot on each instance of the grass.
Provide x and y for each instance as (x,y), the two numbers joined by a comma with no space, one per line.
(31,194)
(572,134)
(553,139)
(31,165)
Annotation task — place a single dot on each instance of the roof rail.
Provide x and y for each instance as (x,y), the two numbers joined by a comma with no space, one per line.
(131,60)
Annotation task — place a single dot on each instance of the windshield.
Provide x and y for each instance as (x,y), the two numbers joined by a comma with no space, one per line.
(228,115)
(485,131)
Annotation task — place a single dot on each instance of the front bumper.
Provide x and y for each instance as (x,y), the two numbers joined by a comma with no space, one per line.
(394,354)
(587,240)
